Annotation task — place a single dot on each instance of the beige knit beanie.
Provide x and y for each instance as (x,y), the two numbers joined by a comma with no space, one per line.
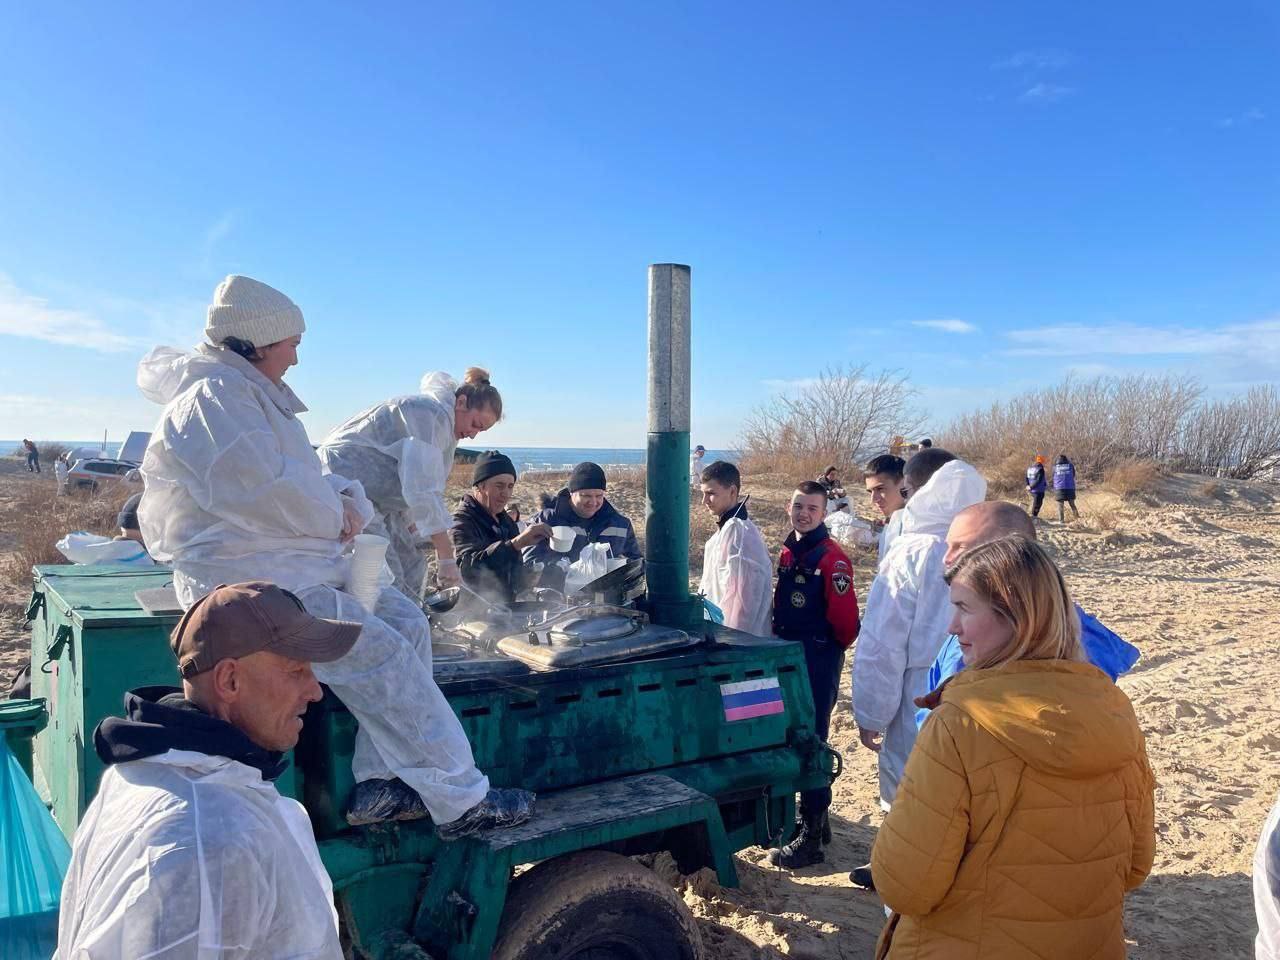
(251,311)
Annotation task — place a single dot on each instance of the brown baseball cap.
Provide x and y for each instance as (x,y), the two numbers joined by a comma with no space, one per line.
(245,618)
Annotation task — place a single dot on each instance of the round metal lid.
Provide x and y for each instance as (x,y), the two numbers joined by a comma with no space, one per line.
(449,652)
(597,629)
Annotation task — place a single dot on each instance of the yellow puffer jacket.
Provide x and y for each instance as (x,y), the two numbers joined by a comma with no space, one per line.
(1025,813)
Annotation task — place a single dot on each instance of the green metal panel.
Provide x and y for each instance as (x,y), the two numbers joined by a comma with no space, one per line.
(666,533)
(583,729)
(91,642)
(20,720)
(570,727)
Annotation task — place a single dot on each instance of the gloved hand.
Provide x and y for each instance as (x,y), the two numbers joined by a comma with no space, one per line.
(447,573)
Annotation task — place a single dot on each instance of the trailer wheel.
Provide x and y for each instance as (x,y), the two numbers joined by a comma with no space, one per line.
(595,905)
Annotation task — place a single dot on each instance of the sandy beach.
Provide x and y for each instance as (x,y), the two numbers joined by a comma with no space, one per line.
(1189,572)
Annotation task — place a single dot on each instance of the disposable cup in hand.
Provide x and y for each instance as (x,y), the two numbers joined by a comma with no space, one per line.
(366,568)
(562,539)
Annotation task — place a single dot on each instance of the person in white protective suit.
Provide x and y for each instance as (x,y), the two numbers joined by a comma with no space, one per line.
(188,851)
(401,451)
(737,569)
(1266,888)
(907,614)
(234,491)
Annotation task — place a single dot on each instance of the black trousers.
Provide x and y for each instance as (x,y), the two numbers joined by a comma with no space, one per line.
(1037,501)
(824,660)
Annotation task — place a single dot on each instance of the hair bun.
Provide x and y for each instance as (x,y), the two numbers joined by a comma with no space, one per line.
(476,375)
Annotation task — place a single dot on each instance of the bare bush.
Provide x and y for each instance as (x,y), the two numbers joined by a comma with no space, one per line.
(1105,517)
(1238,438)
(1131,477)
(1211,489)
(844,416)
(1008,477)
(49,450)
(42,518)
(1098,423)
(1110,421)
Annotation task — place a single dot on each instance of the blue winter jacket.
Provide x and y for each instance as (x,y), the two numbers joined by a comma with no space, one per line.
(607,526)
(1035,478)
(1105,650)
(1064,476)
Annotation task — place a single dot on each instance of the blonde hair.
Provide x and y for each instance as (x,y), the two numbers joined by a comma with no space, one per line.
(1025,587)
(480,394)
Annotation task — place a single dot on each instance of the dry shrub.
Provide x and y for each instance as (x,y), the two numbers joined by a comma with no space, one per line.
(1212,489)
(1105,517)
(791,468)
(1131,477)
(38,518)
(1008,478)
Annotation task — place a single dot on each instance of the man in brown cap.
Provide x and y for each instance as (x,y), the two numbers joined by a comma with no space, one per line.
(188,850)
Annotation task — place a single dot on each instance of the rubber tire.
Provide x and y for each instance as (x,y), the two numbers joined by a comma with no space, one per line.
(564,907)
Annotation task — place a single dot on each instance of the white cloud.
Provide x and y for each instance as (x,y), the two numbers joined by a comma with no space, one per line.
(1252,115)
(1257,340)
(216,233)
(1046,93)
(25,315)
(1034,60)
(791,386)
(947,326)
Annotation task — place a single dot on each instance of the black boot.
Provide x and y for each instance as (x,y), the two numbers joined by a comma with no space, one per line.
(377,801)
(861,877)
(500,808)
(804,850)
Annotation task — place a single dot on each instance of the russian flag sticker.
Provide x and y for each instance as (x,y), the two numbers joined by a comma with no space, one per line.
(751,698)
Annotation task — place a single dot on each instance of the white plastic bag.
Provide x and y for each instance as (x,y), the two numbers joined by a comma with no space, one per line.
(592,564)
(90,548)
(850,531)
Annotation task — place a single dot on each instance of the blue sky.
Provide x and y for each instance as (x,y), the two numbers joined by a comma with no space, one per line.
(985,195)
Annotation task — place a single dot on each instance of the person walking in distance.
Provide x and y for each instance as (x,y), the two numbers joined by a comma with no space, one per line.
(1036,484)
(1064,486)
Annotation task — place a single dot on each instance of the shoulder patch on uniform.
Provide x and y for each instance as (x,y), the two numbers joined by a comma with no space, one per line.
(841,581)
(841,564)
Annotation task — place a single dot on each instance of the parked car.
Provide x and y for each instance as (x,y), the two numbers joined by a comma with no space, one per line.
(93,473)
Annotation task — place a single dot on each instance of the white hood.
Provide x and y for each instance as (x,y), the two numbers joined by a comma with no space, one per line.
(931,509)
(440,386)
(166,371)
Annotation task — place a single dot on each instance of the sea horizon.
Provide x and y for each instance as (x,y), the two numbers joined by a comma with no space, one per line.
(526,458)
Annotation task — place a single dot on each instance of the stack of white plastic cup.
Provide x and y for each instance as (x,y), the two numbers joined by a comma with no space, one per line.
(562,538)
(366,568)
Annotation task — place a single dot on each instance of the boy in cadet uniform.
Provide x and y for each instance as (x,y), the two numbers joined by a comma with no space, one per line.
(814,604)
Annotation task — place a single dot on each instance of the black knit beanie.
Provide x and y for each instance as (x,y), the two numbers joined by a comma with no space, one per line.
(586,476)
(491,463)
(128,517)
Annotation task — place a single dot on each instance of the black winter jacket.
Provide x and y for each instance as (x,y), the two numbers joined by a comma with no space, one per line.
(490,564)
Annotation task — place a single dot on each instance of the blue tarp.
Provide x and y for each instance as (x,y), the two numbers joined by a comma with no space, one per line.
(33,861)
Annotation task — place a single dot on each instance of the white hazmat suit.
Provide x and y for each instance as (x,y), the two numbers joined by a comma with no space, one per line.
(402,450)
(1266,887)
(235,492)
(906,617)
(195,857)
(737,576)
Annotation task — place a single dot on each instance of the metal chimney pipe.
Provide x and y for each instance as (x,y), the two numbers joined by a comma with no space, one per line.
(667,489)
